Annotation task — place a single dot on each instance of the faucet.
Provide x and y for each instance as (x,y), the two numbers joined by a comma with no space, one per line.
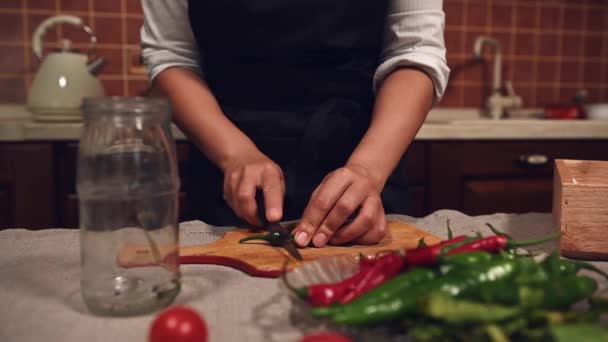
(497,105)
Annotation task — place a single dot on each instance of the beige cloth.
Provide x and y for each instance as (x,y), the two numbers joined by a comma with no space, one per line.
(40,298)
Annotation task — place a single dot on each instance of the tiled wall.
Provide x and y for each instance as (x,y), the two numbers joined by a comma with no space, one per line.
(552,48)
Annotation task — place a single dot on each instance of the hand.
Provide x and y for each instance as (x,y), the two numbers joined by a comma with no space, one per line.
(242,177)
(339,196)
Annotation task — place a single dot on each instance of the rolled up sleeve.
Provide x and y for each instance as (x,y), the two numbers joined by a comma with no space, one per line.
(414,38)
(166,37)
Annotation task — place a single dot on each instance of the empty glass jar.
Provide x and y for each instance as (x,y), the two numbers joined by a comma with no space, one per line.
(127,186)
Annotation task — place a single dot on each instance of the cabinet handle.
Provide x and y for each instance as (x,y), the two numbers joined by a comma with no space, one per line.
(534,160)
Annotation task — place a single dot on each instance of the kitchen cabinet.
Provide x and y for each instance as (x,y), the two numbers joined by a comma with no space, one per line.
(26,185)
(484,177)
(37,180)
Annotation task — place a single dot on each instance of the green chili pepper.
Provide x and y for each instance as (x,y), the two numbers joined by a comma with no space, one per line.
(398,305)
(557,293)
(468,259)
(555,265)
(273,238)
(460,311)
(394,287)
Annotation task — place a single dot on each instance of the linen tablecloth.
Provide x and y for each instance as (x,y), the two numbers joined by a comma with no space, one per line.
(40,285)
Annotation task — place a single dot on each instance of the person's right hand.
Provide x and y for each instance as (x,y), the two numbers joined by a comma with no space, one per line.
(243,176)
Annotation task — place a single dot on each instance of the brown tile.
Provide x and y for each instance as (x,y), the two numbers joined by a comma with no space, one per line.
(11,4)
(505,42)
(477,72)
(52,35)
(525,44)
(476,14)
(526,17)
(593,47)
(593,93)
(566,93)
(113,87)
(75,34)
(11,59)
(573,18)
(592,72)
(12,90)
(113,6)
(453,13)
(523,71)
(569,72)
(109,30)
(74,5)
(528,95)
(134,7)
(597,19)
(12,27)
(40,4)
(135,64)
(572,45)
(502,15)
(452,97)
(137,88)
(548,45)
(547,72)
(114,61)
(454,41)
(545,96)
(133,29)
(473,96)
(549,17)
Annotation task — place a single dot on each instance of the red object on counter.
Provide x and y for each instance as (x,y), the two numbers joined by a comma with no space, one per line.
(564,112)
(178,324)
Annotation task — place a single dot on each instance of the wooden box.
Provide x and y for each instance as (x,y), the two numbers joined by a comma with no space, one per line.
(580,208)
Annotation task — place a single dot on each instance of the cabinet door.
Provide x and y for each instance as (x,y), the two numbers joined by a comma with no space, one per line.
(26,185)
(483,177)
(67,198)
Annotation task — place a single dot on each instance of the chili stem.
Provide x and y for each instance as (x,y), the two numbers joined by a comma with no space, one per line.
(515,244)
(421,243)
(497,232)
(301,292)
(254,237)
(450,233)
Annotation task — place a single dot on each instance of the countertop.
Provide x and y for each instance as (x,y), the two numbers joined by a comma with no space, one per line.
(442,124)
(40,293)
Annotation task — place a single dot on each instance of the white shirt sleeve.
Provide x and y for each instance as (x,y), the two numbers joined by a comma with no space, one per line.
(166,37)
(414,37)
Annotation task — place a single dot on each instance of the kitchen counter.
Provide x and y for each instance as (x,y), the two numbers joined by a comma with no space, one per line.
(39,287)
(441,124)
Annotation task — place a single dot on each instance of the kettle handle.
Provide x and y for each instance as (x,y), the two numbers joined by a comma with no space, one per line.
(56,20)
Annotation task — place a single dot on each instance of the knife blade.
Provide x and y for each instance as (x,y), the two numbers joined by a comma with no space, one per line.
(275,227)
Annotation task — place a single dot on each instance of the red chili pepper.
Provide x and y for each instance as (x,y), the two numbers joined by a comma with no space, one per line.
(496,243)
(325,294)
(429,256)
(384,269)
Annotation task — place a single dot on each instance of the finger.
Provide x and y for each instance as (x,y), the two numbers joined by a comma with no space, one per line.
(362,223)
(245,196)
(273,186)
(231,182)
(347,204)
(322,200)
(377,232)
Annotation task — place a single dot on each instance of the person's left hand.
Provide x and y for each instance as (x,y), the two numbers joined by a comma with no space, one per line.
(342,193)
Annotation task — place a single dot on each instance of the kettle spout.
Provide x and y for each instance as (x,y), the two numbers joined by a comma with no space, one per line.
(96,65)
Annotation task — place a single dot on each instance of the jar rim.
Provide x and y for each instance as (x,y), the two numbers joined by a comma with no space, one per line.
(124,105)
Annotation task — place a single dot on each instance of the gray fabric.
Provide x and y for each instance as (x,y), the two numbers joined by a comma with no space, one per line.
(40,299)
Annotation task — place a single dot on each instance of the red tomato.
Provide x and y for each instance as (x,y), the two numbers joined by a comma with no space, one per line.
(178,324)
(326,337)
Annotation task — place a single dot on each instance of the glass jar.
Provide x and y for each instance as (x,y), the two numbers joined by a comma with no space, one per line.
(127,183)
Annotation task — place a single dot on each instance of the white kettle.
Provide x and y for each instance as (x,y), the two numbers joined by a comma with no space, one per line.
(65,77)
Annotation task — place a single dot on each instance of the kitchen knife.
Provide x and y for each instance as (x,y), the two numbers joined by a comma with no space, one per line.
(275,227)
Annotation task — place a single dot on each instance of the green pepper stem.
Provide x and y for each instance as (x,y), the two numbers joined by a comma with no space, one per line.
(421,243)
(450,233)
(514,244)
(254,237)
(498,232)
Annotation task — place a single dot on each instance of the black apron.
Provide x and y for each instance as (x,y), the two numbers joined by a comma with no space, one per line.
(296,77)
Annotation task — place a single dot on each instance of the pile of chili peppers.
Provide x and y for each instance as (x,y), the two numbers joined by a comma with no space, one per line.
(465,288)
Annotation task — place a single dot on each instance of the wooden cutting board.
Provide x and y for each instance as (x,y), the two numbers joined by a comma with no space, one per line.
(262,260)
